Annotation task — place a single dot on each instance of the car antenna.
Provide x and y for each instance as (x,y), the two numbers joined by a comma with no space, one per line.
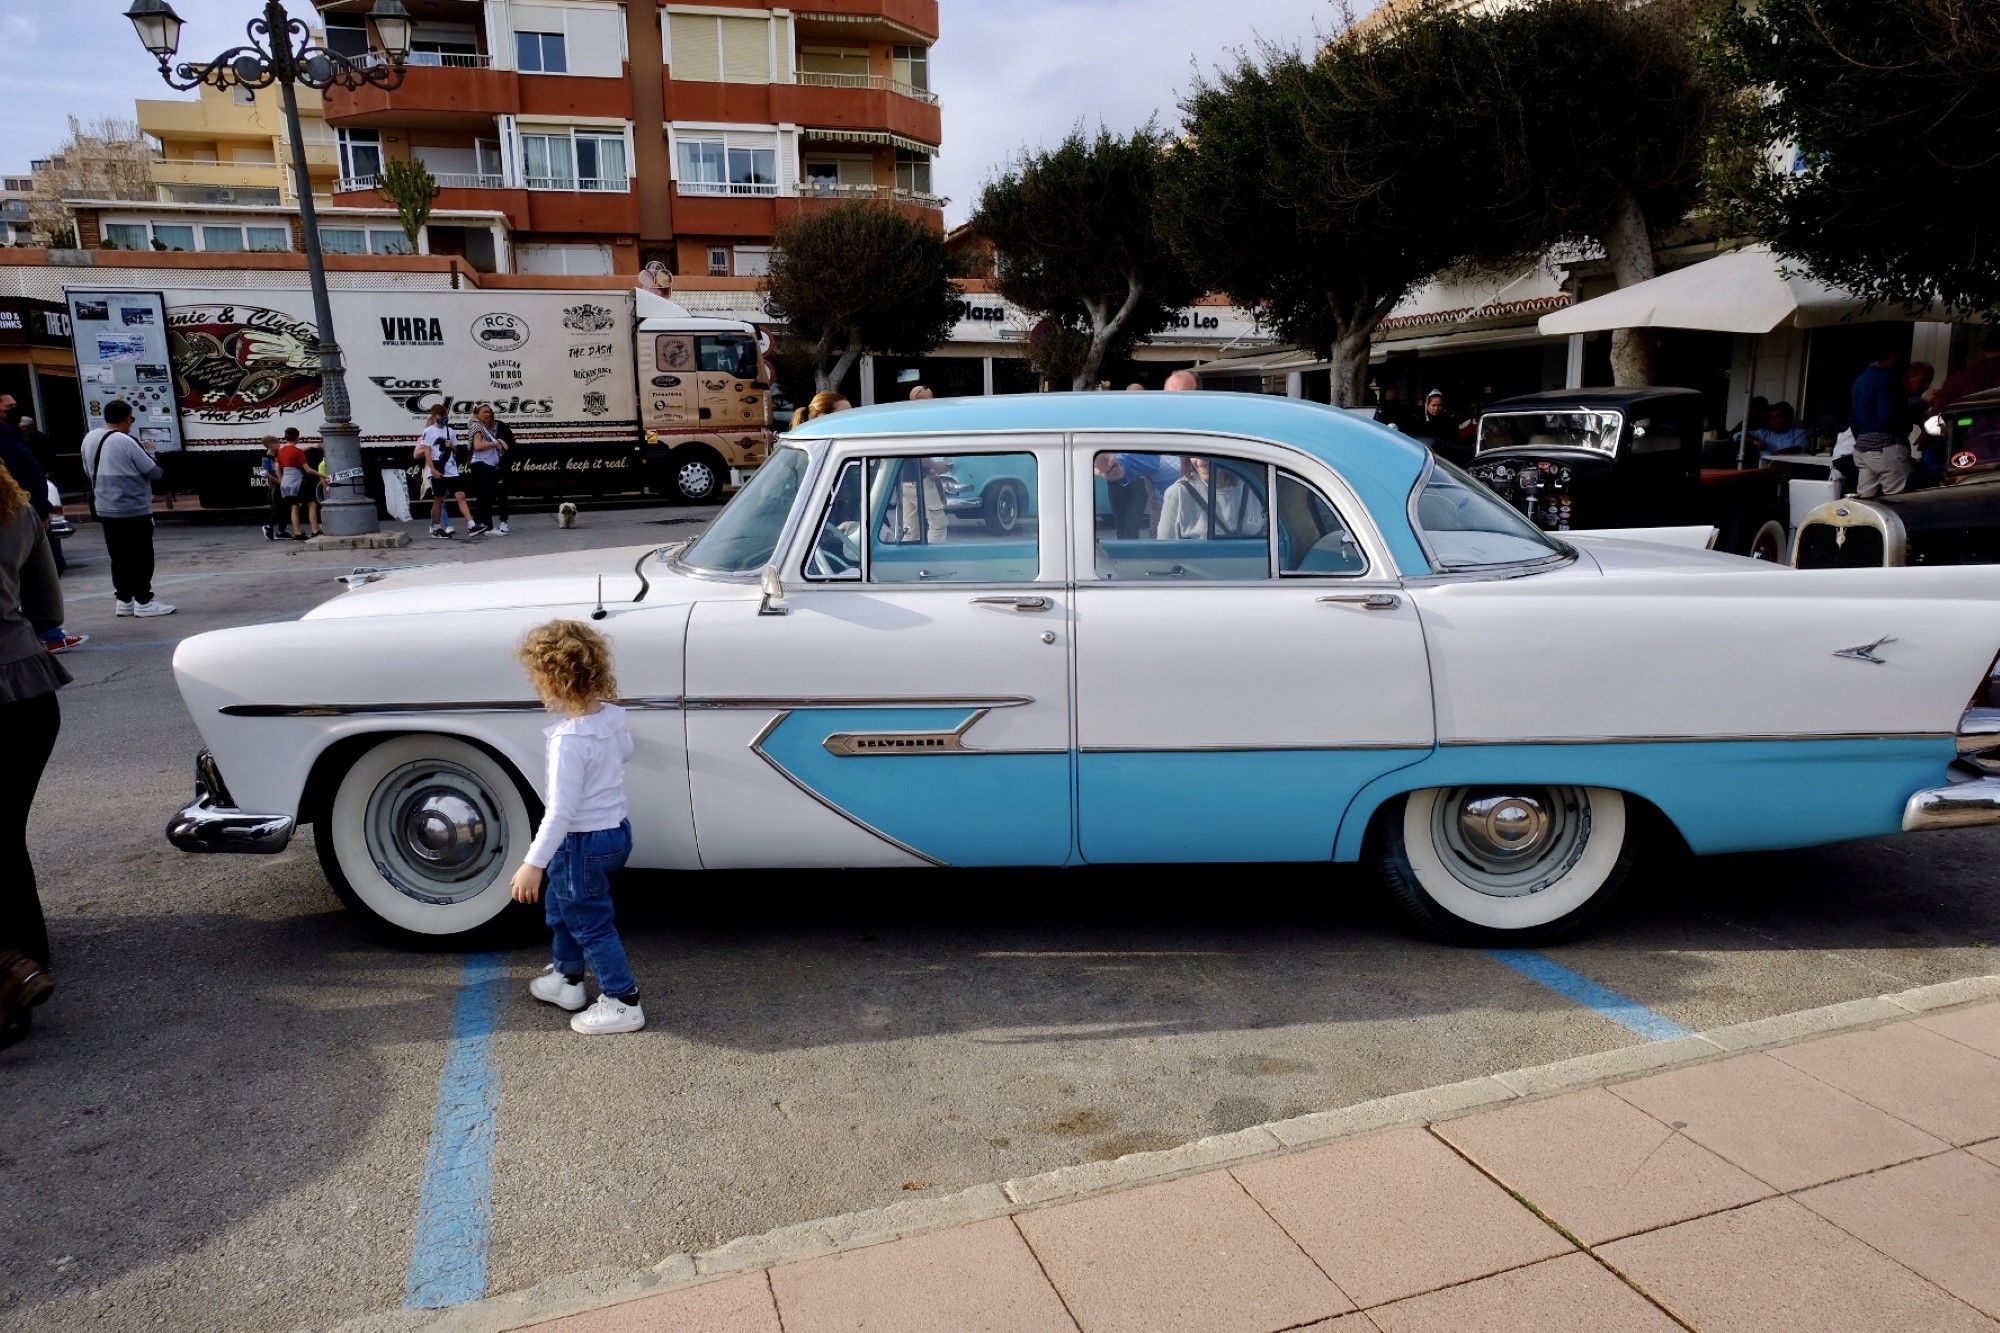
(600,612)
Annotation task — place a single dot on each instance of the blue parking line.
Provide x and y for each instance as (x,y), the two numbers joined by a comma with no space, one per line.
(1621,1009)
(455,1212)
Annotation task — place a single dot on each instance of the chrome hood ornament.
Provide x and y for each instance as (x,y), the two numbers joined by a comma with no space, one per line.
(1866,652)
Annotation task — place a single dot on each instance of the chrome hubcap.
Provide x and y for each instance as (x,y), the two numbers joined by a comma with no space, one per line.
(697,479)
(435,832)
(1503,828)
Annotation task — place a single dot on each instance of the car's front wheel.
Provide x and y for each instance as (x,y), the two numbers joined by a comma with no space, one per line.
(1003,507)
(697,474)
(423,833)
(1515,865)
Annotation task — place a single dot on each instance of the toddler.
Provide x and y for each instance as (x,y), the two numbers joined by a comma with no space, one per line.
(585,837)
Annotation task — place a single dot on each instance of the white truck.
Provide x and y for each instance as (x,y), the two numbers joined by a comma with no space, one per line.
(606,392)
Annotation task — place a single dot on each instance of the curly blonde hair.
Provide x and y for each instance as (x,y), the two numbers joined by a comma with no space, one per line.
(13,498)
(569,664)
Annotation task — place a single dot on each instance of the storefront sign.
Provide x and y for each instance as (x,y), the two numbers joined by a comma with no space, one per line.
(120,339)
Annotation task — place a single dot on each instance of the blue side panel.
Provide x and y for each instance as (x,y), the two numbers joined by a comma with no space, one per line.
(1234,805)
(1723,796)
(962,809)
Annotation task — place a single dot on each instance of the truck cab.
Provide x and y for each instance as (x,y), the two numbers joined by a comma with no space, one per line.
(704,397)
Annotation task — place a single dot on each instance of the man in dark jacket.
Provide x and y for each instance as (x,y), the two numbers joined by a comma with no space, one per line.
(1878,414)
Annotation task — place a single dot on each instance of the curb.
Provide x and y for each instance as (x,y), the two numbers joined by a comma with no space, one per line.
(597,1288)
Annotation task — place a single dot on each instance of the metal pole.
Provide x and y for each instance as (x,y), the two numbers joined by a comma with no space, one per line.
(348,511)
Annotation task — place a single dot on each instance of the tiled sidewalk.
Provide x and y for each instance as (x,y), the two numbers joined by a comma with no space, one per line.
(1847,1182)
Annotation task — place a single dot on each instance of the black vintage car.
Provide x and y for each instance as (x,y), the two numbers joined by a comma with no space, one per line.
(1625,458)
(1957,523)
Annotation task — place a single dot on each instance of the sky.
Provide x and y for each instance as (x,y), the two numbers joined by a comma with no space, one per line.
(1009,73)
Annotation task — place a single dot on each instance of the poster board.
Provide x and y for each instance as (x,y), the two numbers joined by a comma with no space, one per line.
(121,352)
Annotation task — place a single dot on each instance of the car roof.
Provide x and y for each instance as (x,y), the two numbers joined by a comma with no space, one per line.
(1984,398)
(1381,465)
(1588,398)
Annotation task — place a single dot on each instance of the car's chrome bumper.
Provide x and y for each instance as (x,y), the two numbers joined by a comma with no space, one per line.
(209,823)
(1971,802)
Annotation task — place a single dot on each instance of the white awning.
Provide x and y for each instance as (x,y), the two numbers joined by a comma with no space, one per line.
(1745,291)
(867,136)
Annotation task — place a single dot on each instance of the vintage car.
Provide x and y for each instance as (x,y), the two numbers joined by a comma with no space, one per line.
(1626,458)
(1345,649)
(1957,523)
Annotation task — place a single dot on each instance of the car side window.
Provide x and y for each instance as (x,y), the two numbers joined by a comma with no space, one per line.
(1181,516)
(1312,539)
(954,518)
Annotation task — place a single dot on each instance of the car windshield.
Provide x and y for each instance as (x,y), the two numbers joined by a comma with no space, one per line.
(1465,526)
(1572,429)
(745,534)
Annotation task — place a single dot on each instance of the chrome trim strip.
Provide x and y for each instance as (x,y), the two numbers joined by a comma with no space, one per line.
(1690,740)
(642,703)
(699,703)
(352,710)
(1252,749)
(757,748)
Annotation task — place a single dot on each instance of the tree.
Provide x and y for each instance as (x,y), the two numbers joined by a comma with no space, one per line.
(411,189)
(1320,190)
(1867,150)
(1079,242)
(859,277)
(1592,119)
(104,158)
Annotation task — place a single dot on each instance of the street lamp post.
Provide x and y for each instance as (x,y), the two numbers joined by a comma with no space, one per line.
(280,51)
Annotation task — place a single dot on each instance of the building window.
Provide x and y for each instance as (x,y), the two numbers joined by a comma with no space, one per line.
(222,238)
(388,241)
(728,166)
(128,235)
(718,261)
(913,172)
(268,238)
(547,162)
(173,236)
(343,240)
(540,53)
(836,65)
(600,161)
(568,260)
(753,261)
(360,155)
(911,66)
(714,49)
(346,34)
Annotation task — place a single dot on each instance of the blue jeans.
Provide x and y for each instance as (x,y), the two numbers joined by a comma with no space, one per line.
(577,902)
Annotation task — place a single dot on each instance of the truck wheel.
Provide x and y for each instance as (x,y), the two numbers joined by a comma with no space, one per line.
(696,474)
(1003,507)
(1513,865)
(422,834)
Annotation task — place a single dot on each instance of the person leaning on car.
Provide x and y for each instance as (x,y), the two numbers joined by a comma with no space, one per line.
(1878,415)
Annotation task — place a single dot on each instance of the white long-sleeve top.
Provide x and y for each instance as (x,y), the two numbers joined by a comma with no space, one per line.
(586,790)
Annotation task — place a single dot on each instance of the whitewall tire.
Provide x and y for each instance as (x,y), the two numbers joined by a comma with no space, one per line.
(423,834)
(1517,864)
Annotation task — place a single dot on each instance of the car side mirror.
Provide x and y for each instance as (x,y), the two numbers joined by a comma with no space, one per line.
(773,586)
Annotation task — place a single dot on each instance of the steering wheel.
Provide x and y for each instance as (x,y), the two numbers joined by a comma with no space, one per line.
(836,554)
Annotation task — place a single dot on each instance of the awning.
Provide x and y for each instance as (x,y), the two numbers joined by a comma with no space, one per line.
(868,136)
(1745,291)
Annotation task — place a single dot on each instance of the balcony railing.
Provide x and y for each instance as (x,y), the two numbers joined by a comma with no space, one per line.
(877,82)
(723,189)
(447,180)
(450,59)
(605,184)
(825,189)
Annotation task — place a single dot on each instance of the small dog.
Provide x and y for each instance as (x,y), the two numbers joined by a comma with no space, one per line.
(566,515)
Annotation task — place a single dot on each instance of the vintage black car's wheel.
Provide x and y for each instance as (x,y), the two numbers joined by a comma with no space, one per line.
(1003,507)
(697,474)
(1768,543)
(423,834)
(1515,865)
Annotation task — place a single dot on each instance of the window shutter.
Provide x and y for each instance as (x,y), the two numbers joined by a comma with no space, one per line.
(746,50)
(693,36)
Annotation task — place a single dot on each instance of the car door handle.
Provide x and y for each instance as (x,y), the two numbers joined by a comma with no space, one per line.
(1018,603)
(1177,572)
(1373,601)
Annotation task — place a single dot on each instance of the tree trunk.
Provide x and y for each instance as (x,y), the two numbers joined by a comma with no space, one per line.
(1102,330)
(1348,359)
(1628,245)
(829,377)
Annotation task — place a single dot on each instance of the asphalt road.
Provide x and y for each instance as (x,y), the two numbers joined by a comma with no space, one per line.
(224,1118)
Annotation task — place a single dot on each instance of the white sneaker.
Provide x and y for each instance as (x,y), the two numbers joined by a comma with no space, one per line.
(124,609)
(607,1016)
(500,529)
(156,607)
(552,987)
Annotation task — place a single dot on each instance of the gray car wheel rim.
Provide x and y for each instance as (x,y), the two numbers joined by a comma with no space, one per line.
(1509,842)
(435,832)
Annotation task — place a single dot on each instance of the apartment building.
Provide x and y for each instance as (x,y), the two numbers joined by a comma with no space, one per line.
(612,134)
(230,146)
(17,194)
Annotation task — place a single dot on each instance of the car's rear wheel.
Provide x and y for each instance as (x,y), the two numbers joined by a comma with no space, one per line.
(423,833)
(1003,507)
(696,474)
(1517,865)
(1768,542)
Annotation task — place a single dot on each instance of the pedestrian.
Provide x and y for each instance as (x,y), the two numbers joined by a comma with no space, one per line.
(1182,380)
(19,462)
(122,472)
(30,598)
(823,402)
(292,469)
(1126,486)
(1781,432)
(1879,418)
(274,517)
(316,486)
(1437,429)
(438,448)
(585,835)
(488,451)
(505,479)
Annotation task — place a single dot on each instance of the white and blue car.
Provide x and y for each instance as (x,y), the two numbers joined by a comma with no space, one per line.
(1302,639)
